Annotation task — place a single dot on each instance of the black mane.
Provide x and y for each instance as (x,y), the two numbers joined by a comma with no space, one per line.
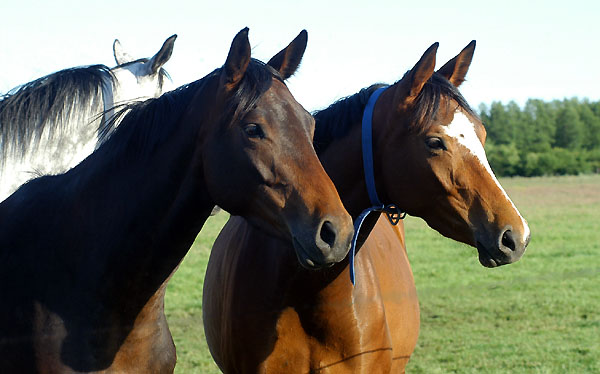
(335,121)
(28,110)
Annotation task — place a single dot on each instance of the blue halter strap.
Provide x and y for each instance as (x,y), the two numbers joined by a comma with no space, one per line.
(393,213)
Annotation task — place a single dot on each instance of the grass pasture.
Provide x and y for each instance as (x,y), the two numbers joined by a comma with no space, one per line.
(539,315)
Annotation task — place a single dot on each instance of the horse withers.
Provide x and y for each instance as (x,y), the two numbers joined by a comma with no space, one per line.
(264,313)
(85,256)
(51,124)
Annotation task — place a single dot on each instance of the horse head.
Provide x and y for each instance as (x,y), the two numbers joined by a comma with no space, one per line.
(139,79)
(434,165)
(277,182)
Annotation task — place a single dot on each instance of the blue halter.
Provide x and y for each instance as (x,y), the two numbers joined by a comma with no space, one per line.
(393,213)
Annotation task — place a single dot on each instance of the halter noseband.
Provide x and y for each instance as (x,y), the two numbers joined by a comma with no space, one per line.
(393,213)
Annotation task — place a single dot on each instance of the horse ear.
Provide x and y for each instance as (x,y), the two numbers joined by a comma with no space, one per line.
(162,56)
(121,57)
(456,69)
(413,83)
(237,60)
(286,62)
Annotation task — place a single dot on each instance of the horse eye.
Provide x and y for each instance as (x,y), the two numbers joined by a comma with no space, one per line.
(435,143)
(254,131)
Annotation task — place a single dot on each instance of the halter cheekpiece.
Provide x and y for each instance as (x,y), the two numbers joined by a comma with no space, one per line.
(394,214)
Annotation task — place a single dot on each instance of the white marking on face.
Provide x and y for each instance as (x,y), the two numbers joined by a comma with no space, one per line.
(463,130)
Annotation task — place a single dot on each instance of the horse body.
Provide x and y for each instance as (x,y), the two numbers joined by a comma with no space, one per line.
(263,313)
(86,255)
(280,317)
(87,293)
(51,124)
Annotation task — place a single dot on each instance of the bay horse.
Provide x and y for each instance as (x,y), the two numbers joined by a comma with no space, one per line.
(49,125)
(85,256)
(265,313)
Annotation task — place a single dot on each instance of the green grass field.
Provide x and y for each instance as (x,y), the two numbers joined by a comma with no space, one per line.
(539,315)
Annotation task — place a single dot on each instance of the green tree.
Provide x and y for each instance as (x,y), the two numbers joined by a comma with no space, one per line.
(542,126)
(532,166)
(569,128)
(499,126)
(591,124)
(484,114)
(504,159)
(557,137)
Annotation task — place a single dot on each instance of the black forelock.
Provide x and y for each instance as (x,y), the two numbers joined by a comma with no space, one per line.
(427,104)
(256,81)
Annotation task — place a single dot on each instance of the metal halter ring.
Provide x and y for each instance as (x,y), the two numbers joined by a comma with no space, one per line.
(393,213)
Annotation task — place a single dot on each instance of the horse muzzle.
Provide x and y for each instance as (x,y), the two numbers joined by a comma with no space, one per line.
(325,246)
(507,247)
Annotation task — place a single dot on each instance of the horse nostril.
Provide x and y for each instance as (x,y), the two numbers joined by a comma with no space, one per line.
(508,240)
(328,233)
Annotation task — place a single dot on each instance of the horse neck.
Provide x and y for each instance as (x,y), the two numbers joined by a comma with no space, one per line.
(343,163)
(150,207)
(342,159)
(338,140)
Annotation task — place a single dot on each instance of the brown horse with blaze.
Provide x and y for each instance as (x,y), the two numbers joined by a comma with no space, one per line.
(265,313)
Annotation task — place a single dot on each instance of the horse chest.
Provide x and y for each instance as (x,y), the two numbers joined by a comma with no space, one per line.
(314,327)
(345,333)
(372,328)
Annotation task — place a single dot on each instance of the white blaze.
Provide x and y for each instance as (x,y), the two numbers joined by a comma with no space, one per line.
(463,130)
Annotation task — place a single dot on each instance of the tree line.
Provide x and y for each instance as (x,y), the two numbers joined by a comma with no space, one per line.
(543,138)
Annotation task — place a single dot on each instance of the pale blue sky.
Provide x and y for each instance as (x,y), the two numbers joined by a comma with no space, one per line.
(525,49)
